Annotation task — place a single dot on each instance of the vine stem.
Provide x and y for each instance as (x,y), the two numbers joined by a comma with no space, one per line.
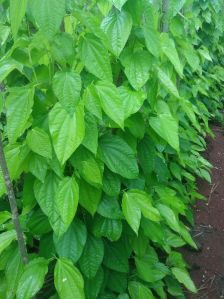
(13,205)
(165,10)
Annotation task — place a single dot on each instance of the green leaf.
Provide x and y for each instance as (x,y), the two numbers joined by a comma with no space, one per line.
(4,216)
(6,239)
(7,66)
(19,105)
(90,140)
(13,272)
(117,26)
(68,280)
(92,256)
(105,227)
(183,277)
(32,278)
(165,125)
(67,131)
(45,194)
(72,243)
(167,83)
(116,256)
(109,207)
(89,197)
(137,65)
(150,270)
(48,15)
(118,156)
(38,166)
(118,3)
(39,142)
(94,285)
(66,201)
(139,291)
(111,101)
(171,219)
(111,183)
(92,101)
(88,167)
(135,202)
(17,12)
(169,49)
(67,87)
(132,100)
(95,57)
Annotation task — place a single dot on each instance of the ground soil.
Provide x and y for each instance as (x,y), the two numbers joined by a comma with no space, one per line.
(207,265)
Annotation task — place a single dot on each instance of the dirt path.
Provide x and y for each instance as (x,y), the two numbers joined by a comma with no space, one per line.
(208,264)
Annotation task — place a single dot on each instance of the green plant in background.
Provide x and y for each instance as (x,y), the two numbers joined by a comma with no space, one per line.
(104,108)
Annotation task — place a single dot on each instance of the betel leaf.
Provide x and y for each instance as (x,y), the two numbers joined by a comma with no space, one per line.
(117,26)
(88,167)
(17,12)
(111,101)
(169,49)
(67,131)
(170,217)
(165,125)
(183,277)
(137,65)
(67,87)
(72,243)
(92,101)
(32,278)
(68,280)
(45,194)
(95,57)
(7,66)
(13,272)
(89,197)
(92,256)
(132,100)
(94,285)
(118,3)
(39,142)
(167,83)
(19,105)
(6,239)
(139,291)
(106,227)
(111,183)
(66,202)
(135,203)
(90,140)
(118,156)
(48,15)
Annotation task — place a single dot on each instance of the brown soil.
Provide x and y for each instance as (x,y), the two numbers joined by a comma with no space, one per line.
(208,263)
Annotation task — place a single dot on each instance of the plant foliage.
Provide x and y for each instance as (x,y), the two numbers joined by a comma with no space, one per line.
(104,116)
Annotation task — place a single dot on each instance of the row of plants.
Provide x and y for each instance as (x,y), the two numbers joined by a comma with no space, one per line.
(104,108)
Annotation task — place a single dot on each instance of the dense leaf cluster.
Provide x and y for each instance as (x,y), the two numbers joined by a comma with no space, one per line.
(104,114)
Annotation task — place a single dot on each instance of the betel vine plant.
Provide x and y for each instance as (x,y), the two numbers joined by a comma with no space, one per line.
(103,117)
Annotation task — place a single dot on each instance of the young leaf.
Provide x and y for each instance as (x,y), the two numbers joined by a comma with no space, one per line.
(67,87)
(92,256)
(17,12)
(68,280)
(19,105)
(32,278)
(95,57)
(118,156)
(117,26)
(67,131)
(39,142)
